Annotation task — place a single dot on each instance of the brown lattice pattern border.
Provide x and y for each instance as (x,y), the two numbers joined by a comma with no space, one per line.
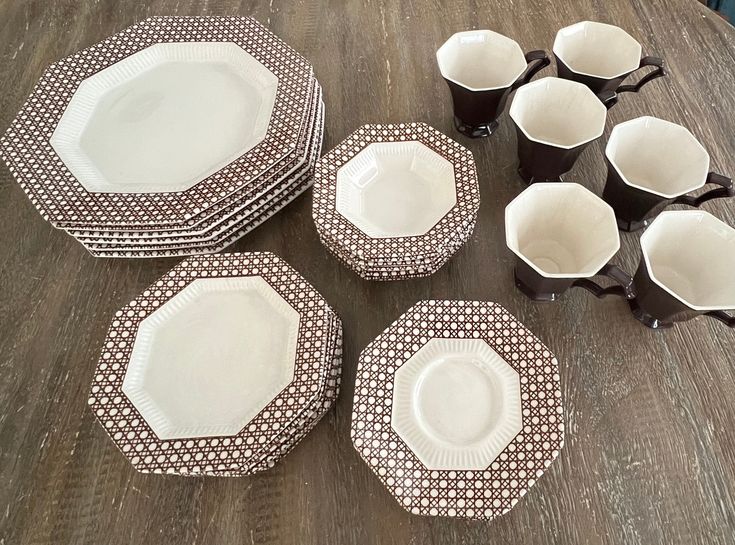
(418,267)
(310,418)
(208,219)
(257,212)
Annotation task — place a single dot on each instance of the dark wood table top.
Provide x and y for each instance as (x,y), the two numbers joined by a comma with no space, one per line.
(650,416)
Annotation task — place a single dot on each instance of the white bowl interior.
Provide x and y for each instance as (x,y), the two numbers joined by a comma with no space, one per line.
(165,118)
(396,189)
(456,404)
(558,112)
(691,254)
(562,230)
(481,59)
(597,49)
(212,357)
(658,156)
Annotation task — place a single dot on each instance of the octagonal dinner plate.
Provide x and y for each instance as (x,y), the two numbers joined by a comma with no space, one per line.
(457,409)
(128,89)
(233,224)
(218,368)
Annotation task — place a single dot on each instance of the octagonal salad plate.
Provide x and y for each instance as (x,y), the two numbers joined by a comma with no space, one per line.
(219,368)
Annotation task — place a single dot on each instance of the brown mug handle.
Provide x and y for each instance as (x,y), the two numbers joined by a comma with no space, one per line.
(723,317)
(541,60)
(608,98)
(725,190)
(624,288)
(652,75)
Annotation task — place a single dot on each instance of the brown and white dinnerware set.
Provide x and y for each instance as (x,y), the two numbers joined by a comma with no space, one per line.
(227,361)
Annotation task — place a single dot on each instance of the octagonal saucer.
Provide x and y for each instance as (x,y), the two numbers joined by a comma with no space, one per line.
(457,409)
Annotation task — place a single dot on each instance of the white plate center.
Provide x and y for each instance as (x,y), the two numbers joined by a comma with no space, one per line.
(456,404)
(212,357)
(458,400)
(165,118)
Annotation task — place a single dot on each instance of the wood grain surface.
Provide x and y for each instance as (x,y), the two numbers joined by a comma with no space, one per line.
(650,447)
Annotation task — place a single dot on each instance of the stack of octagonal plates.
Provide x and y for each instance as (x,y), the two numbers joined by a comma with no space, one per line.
(176,136)
(219,368)
(395,201)
(457,409)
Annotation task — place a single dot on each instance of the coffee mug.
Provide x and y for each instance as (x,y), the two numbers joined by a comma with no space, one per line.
(482,68)
(555,120)
(652,163)
(686,269)
(601,56)
(562,235)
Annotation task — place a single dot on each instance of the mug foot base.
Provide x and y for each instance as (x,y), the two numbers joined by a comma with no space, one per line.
(529,179)
(630,226)
(535,296)
(646,319)
(475,131)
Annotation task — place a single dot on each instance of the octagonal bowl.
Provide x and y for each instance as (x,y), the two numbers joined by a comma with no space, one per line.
(395,201)
(396,189)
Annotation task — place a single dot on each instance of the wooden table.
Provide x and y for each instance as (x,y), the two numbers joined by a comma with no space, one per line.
(650,447)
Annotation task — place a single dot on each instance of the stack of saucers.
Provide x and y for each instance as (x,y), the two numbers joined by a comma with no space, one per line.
(219,368)
(176,136)
(395,201)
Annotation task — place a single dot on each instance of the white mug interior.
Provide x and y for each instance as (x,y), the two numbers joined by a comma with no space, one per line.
(597,49)
(562,230)
(691,255)
(481,60)
(558,112)
(657,156)
(396,189)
